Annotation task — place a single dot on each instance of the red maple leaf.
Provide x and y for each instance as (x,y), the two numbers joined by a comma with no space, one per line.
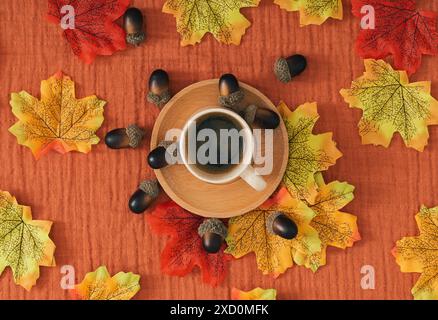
(400,30)
(95,32)
(183,250)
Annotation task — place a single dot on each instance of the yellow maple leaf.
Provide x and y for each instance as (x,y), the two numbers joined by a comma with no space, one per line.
(391,104)
(24,243)
(308,153)
(335,228)
(247,233)
(313,11)
(254,294)
(420,254)
(58,121)
(99,285)
(194,18)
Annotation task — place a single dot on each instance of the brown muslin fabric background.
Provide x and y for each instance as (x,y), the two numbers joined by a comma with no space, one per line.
(86,195)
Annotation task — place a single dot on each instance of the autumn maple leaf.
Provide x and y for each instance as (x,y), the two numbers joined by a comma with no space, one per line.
(420,254)
(313,11)
(183,250)
(99,285)
(254,294)
(308,153)
(335,228)
(24,243)
(194,18)
(391,104)
(95,31)
(400,30)
(58,121)
(248,233)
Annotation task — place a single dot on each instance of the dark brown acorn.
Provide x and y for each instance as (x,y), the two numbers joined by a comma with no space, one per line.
(145,195)
(264,118)
(133,24)
(230,93)
(213,233)
(158,158)
(159,93)
(286,69)
(281,225)
(212,242)
(267,119)
(228,84)
(129,137)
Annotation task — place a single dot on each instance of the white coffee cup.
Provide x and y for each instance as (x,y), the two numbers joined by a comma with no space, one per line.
(243,169)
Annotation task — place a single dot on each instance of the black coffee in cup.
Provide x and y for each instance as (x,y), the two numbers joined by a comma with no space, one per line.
(222,147)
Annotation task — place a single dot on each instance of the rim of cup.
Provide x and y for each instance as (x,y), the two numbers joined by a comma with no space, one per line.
(248,143)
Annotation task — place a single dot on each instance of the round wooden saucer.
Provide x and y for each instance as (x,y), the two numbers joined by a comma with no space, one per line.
(194,195)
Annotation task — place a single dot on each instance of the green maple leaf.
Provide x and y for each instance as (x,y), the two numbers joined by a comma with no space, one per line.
(391,104)
(194,18)
(24,243)
(308,153)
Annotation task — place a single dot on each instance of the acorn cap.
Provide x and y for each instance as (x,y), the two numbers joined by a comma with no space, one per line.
(212,225)
(270,221)
(232,100)
(150,187)
(135,38)
(135,135)
(159,100)
(250,113)
(166,144)
(281,70)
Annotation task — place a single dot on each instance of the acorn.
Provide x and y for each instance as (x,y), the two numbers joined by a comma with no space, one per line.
(145,195)
(230,93)
(281,225)
(159,93)
(213,233)
(129,137)
(158,158)
(286,69)
(264,118)
(133,25)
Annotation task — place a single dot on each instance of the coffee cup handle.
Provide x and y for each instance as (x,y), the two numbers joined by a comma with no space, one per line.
(251,177)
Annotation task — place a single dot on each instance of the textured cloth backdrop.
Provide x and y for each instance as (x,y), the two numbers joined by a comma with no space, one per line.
(86,195)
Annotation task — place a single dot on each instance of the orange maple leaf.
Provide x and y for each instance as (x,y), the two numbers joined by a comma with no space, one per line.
(58,121)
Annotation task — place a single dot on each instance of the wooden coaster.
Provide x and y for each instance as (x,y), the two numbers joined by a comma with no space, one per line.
(194,195)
